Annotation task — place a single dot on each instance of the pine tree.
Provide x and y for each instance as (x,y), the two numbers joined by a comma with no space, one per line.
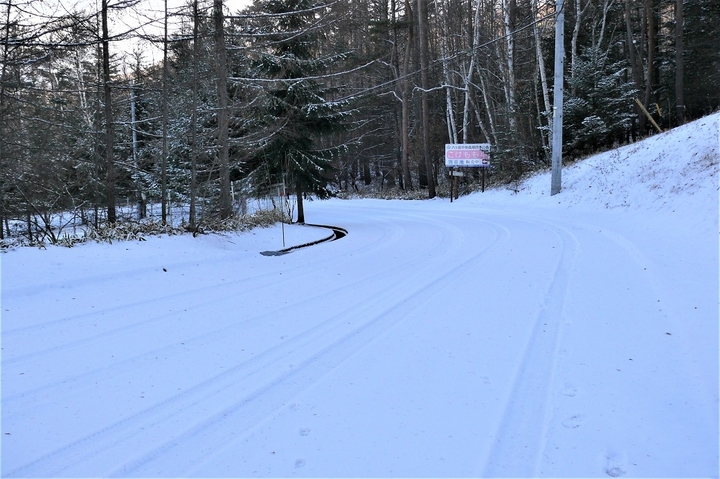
(298,113)
(702,57)
(599,111)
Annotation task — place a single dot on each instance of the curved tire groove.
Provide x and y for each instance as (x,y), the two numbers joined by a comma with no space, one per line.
(337,233)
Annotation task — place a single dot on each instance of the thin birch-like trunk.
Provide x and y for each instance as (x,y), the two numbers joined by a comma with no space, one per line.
(470,71)
(449,111)
(509,14)
(541,63)
(488,110)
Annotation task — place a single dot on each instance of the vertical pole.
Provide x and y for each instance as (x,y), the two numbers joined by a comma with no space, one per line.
(452,184)
(558,98)
(483,180)
(281,197)
(283,203)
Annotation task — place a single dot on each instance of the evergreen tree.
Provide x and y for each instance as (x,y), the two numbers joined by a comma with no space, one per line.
(298,113)
(702,57)
(599,110)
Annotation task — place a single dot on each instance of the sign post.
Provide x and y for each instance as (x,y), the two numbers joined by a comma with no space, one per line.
(469,155)
(454,189)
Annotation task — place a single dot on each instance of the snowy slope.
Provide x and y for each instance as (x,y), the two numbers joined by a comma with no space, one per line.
(650,175)
(502,334)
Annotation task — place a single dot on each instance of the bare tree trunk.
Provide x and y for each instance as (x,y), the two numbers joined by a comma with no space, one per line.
(510,87)
(679,63)
(488,110)
(541,63)
(223,114)
(642,47)
(300,205)
(635,65)
(82,96)
(607,4)
(475,39)
(109,157)
(424,66)
(6,47)
(480,121)
(136,166)
(193,122)
(544,115)
(449,113)
(405,161)
(163,166)
(651,47)
(579,10)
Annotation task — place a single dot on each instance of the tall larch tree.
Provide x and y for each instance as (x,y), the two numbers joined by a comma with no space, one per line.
(299,112)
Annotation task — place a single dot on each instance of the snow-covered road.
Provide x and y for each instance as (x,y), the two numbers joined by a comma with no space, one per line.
(509,333)
(436,339)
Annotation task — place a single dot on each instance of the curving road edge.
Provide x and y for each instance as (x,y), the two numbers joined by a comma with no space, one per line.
(337,233)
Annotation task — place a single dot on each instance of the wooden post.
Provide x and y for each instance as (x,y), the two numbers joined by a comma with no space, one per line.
(647,114)
(452,184)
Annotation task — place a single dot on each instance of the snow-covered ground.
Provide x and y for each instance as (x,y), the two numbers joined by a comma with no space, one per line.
(504,334)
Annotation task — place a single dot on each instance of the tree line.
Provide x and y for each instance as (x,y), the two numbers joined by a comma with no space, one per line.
(322,96)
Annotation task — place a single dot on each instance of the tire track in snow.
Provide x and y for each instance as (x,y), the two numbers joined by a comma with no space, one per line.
(128,366)
(264,281)
(180,456)
(326,338)
(520,438)
(134,309)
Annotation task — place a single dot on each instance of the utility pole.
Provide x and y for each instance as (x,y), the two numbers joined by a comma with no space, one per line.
(558,98)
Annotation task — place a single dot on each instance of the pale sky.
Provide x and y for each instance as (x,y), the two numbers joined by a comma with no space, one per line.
(148,13)
(154,10)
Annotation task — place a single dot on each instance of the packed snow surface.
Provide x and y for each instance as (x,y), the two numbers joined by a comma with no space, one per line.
(509,333)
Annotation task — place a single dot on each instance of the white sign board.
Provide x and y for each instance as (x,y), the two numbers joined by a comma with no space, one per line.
(468,155)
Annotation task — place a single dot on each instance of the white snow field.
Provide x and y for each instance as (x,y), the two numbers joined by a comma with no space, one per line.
(504,334)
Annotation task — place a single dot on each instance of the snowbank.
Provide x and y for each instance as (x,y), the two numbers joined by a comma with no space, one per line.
(654,174)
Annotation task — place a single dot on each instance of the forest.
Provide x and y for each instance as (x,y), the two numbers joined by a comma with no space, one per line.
(320,98)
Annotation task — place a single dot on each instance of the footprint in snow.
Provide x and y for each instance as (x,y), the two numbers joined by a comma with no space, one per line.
(304,431)
(614,465)
(574,422)
(569,391)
